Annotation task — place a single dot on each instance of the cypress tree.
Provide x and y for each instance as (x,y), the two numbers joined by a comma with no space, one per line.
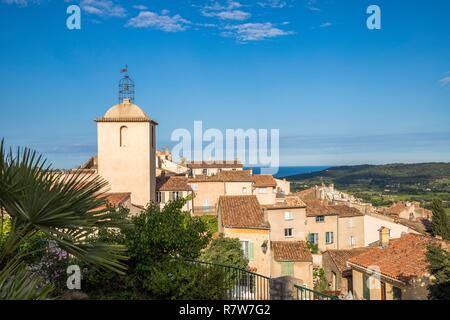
(440,225)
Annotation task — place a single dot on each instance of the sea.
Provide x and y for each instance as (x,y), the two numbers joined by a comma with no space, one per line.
(289,171)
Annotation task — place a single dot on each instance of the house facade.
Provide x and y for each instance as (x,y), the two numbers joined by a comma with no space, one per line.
(210,168)
(395,269)
(170,188)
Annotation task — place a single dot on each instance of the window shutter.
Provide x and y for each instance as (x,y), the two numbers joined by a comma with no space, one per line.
(251,252)
(287,268)
(162,197)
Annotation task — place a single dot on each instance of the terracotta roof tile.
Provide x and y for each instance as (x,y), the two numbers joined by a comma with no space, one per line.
(225,176)
(291,251)
(346,211)
(172,183)
(340,257)
(241,211)
(403,259)
(322,208)
(264,180)
(289,201)
(306,194)
(214,164)
(114,199)
(318,208)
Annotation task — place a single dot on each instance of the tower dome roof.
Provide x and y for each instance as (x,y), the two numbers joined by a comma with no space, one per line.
(125,110)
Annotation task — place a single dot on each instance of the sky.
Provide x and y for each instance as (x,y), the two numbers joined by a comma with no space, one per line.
(338,92)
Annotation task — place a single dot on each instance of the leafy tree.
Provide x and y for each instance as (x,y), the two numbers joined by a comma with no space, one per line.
(440,224)
(320,280)
(163,245)
(159,245)
(211,223)
(439,260)
(226,251)
(60,208)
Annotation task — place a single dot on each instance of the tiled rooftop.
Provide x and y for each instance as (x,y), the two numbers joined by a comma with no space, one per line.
(264,180)
(402,259)
(172,183)
(241,212)
(214,164)
(291,251)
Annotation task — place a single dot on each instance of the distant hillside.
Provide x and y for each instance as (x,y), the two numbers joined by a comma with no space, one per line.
(426,176)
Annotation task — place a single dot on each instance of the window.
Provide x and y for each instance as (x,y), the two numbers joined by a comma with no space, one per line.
(329,237)
(288,232)
(352,241)
(205,202)
(397,293)
(247,249)
(287,268)
(320,219)
(205,172)
(288,215)
(153,136)
(244,190)
(194,186)
(158,197)
(313,238)
(176,195)
(366,287)
(262,190)
(123,136)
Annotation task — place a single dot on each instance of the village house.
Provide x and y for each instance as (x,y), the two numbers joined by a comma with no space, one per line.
(210,168)
(115,200)
(292,258)
(244,218)
(170,188)
(286,219)
(338,273)
(321,224)
(208,189)
(394,269)
(407,210)
(265,188)
(374,221)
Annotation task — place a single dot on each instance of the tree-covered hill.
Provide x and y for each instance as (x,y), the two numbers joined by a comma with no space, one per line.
(384,184)
(384,176)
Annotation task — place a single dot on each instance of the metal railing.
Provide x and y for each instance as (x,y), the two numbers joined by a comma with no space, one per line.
(241,284)
(304,293)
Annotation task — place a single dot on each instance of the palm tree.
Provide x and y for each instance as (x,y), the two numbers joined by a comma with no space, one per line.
(64,207)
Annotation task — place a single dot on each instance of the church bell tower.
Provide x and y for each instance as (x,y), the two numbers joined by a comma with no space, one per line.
(126,142)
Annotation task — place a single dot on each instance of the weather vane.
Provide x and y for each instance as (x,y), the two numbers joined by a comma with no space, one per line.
(126,86)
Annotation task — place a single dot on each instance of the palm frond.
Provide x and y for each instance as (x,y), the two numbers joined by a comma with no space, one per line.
(18,283)
(63,206)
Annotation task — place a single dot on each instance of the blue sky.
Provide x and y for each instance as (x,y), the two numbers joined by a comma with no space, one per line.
(339,92)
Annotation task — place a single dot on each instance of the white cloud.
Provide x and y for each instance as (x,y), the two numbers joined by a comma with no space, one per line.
(226,12)
(148,19)
(140,7)
(311,5)
(228,15)
(105,8)
(445,81)
(254,31)
(326,24)
(216,6)
(272,4)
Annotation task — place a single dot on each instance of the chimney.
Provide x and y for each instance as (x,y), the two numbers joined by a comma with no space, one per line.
(384,236)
